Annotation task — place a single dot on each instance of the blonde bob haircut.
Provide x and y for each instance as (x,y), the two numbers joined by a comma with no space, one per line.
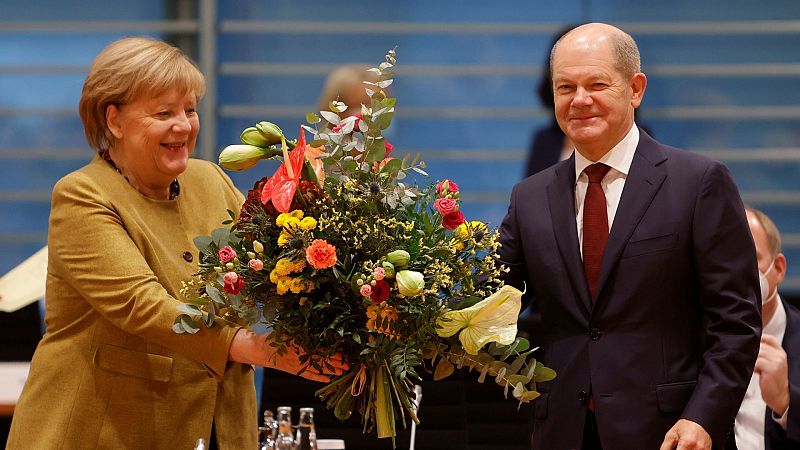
(126,70)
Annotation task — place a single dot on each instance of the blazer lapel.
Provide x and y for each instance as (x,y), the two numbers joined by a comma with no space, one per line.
(644,179)
(561,200)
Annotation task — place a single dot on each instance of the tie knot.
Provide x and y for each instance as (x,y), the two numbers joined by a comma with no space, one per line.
(596,172)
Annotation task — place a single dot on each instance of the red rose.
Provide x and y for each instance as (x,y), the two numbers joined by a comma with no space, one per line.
(380,292)
(445,205)
(447,186)
(453,220)
(234,288)
(389,147)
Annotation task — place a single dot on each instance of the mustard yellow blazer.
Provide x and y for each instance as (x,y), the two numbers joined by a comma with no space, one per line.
(110,373)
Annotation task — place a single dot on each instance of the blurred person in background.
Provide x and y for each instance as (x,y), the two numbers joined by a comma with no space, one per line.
(769,417)
(346,84)
(110,372)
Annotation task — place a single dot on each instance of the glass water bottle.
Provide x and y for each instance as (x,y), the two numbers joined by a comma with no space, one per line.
(268,432)
(285,440)
(306,433)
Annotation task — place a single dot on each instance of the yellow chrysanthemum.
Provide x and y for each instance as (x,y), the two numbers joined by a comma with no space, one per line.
(283,266)
(274,276)
(308,223)
(297,285)
(298,266)
(283,286)
(297,213)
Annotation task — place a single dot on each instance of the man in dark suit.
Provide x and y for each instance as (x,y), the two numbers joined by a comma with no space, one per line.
(644,273)
(769,417)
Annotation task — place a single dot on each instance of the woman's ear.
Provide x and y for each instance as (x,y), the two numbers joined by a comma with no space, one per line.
(113,121)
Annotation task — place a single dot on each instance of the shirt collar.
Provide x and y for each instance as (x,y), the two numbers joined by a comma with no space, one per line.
(618,158)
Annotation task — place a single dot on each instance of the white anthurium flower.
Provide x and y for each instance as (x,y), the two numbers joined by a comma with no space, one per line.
(493,319)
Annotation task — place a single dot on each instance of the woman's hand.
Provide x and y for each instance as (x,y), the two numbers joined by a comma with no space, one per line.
(251,348)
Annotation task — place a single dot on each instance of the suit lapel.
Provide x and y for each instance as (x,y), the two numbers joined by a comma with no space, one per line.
(644,179)
(561,200)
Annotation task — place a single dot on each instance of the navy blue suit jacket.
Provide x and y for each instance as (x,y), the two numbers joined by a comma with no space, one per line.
(675,329)
(776,438)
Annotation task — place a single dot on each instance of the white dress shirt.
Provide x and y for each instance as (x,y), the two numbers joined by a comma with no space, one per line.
(749,427)
(619,159)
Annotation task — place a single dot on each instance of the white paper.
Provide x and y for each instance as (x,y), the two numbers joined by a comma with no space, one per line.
(12,378)
(25,283)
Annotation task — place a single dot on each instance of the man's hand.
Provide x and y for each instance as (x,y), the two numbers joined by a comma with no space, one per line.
(251,348)
(773,374)
(686,435)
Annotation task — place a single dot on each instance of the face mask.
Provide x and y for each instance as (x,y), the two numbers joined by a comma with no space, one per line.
(762,280)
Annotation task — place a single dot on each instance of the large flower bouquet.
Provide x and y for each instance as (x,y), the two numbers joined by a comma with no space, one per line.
(337,253)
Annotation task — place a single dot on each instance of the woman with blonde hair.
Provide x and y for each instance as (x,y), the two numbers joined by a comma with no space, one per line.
(109,371)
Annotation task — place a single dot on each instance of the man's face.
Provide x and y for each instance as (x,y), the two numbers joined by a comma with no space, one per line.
(594,102)
(777,272)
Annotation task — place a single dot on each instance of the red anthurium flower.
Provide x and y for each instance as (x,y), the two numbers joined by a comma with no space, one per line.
(281,186)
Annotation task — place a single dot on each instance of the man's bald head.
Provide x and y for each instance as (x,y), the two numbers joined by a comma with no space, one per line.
(626,53)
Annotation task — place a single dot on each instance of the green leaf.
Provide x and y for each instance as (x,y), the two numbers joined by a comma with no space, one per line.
(312,118)
(384,120)
(392,166)
(190,310)
(543,373)
(203,243)
(221,236)
(376,150)
(215,295)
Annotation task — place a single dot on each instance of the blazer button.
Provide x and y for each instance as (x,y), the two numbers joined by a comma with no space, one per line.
(583,397)
(595,334)
(188,256)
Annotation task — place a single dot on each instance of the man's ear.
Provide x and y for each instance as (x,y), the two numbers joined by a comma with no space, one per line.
(638,85)
(113,121)
(780,267)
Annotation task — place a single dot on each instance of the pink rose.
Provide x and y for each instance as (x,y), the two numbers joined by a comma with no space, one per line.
(446,186)
(365,290)
(230,278)
(226,254)
(389,147)
(445,205)
(379,273)
(453,220)
(256,264)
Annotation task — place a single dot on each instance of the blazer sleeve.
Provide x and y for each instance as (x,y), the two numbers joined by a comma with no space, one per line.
(776,437)
(104,265)
(511,252)
(727,280)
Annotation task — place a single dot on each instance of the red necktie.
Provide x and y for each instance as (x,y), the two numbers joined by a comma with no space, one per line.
(595,226)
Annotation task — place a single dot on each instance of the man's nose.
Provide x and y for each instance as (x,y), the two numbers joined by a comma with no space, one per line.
(582,97)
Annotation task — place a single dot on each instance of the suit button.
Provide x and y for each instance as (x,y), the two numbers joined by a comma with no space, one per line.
(188,256)
(583,397)
(595,334)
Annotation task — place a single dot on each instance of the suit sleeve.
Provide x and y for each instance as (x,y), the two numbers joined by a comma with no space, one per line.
(103,264)
(511,251)
(775,435)
(727,281)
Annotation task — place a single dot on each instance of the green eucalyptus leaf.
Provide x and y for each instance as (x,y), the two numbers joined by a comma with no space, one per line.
(312,118)
(215,295)
(220,236)
(190,310)
(203,243)
(543,374)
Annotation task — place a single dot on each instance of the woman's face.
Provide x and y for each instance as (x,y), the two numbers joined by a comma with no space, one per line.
(154,136)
